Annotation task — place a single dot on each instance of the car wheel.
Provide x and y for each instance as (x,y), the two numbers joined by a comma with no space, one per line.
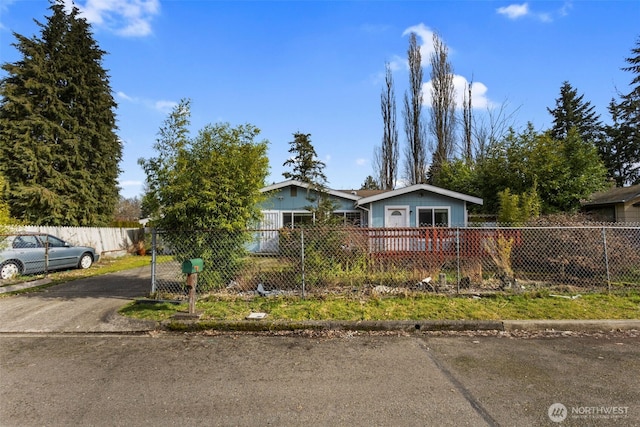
(9,269)
(85,261)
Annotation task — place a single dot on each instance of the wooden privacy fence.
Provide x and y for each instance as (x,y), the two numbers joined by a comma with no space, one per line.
(107,241)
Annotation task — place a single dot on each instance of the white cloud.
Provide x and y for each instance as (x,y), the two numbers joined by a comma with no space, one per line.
(478,93)
(124,96)
(161,106)
(361,162)
(425,34)
(129,18)
(165,106)
(514,11)
(4,6)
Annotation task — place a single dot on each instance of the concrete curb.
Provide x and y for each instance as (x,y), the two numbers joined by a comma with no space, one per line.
(406,325)
(572,325)
(25,285)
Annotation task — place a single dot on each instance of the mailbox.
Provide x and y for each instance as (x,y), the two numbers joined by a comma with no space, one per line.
(192,266)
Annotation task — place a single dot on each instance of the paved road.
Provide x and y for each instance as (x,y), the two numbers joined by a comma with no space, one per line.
(304,378)
(345,379)
(86,305)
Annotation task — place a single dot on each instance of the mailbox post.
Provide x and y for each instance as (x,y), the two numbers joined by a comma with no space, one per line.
(191,268)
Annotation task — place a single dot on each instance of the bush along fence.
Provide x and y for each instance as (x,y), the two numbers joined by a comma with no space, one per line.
(319,260)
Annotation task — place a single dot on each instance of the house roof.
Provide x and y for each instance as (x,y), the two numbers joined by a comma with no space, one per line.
(362,197)
(614,195)
(418,187)
(284,184)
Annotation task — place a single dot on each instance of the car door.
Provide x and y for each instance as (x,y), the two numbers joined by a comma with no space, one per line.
(31,253)
(60,254)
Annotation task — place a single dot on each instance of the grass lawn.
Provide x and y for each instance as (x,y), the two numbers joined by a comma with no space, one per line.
(420,307)
(534,305)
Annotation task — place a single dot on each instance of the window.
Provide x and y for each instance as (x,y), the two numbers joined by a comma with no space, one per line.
(296,219)
(53,242)
(293,191)
(349,217)
(433,217)
(25,242)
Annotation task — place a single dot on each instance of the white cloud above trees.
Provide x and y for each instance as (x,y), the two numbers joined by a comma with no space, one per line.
(127,18)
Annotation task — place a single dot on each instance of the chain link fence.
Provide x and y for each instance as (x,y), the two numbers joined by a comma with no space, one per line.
(313,261)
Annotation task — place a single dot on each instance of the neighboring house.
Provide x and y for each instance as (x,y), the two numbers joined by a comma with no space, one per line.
(619,204)
(421,205)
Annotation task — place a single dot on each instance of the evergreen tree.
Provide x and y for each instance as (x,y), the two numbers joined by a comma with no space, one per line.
(572,111)
(58,148)
(618,151)
(621,150)
(370,183)
(304,161)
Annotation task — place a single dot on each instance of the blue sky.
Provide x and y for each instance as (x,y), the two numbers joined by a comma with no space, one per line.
(317,67)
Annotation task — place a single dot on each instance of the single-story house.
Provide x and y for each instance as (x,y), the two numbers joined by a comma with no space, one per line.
(619,204)
(421,205)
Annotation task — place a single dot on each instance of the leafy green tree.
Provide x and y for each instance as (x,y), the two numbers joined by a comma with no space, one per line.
(572,111)
(209,182)
(517,209)
(621,150)
(58,148)
(5,215)
(562,171)
(304,161)
(459,175)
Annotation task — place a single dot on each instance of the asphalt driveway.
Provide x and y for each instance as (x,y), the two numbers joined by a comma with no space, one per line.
(85,305)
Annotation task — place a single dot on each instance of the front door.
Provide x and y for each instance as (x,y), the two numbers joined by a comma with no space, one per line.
(396,217)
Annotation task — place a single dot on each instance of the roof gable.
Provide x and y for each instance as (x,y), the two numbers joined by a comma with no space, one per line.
(307,186)
(419,187)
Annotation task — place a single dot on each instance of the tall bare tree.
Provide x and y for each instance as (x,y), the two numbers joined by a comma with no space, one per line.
(443,104)
(386,156)
(467,123)
(415,153)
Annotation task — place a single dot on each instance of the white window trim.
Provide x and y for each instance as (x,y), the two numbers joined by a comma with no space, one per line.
(296,211)
(433,208)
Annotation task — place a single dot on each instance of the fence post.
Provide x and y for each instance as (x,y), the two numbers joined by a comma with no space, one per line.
(458,258)
(302,259)
(606,258)
(153,261)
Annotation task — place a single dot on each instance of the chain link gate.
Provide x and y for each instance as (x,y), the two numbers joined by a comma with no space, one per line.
(315,260)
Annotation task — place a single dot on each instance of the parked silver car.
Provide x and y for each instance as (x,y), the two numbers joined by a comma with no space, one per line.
(27,253)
